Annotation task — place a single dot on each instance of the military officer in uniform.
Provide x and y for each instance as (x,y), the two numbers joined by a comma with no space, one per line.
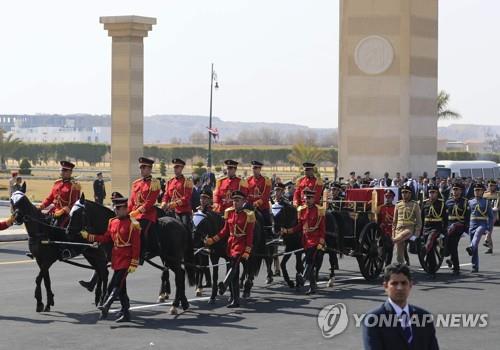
(178,194)
(259,192)
(238,230)
(99,189)
(458,222)
(64,194)
(336,198)
(124,232)
(309,182)
(311,222)
(435,223)
(407,222)
(141,204)
(481,222)
(226,185)
(385,218)
(493,196)
(205,200)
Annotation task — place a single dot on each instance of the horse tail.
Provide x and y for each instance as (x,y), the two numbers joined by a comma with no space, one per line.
(259,248)
(189,259)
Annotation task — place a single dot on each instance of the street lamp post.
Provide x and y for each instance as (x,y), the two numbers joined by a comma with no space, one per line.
(213,78)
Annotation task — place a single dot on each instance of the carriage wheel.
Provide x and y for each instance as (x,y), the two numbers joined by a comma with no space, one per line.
(426,258)
(371,251)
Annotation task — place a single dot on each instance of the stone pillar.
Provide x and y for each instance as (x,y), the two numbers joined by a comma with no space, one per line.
(127,96)
(388,86)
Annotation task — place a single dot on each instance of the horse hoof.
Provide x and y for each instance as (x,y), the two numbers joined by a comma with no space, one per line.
(331,282)
(162,297)
(211,301)
(199,292)
(291,284)
(39,307)
(47,308)
(277,273)
(173,311)
(246,295)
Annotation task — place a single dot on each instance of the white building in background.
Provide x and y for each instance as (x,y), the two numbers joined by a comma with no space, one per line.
(68,133)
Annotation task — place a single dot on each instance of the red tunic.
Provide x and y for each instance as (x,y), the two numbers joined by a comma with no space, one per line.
(143,197)
(224,187)
(239,227)
(63,195)
(312,224)
(125,236)
(179,191)
(259,191)
(311,183)
(385,217)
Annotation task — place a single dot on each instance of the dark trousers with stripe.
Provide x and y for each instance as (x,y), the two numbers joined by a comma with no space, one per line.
(118,287)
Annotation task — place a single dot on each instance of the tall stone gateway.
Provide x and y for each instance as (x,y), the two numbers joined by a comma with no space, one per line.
(388,86)
(127,96)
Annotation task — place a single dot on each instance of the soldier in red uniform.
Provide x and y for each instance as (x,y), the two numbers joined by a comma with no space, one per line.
(141,204)
(178,192)
(64,194)
(311,221)
(124,232)
(310,182)
(385,217)
(239,227)
(226,185)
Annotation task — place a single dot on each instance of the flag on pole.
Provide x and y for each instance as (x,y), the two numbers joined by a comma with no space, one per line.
(214,132)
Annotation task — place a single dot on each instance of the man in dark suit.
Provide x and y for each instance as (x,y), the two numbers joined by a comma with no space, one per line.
(99,189)
(397,325)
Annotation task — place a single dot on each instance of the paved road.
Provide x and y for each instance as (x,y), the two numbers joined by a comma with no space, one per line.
(275,316)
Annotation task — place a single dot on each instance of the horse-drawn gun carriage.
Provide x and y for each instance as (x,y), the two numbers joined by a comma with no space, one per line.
(353,229)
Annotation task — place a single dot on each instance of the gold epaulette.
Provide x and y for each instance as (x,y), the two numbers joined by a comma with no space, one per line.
(250,215)
(269,182)
(297,183)
(321,210)
(243,183)
(76,185)
(300,208)
(57,181)
(188,183)
(137,180)
(155,185)
(319,182)
(227,211)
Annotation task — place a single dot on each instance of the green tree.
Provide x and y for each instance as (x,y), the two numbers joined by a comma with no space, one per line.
(25,167)
(8,146)
(163,168)
(442,107)
(302,153)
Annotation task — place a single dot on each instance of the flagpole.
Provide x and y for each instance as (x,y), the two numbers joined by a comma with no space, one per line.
(209,157)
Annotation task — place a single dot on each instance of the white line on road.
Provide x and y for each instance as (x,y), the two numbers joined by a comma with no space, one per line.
(446,267)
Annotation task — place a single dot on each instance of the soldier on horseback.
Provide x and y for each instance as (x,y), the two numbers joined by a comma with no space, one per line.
(141,204)
(307,182)
(178,192)
(225,186)
(63,195)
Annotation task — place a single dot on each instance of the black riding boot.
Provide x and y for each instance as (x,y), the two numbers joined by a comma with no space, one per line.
(312,282)
(235,288)
(143,249)
(107,304)
(125,313)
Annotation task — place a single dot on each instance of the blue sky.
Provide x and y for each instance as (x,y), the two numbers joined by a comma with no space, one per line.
(276,60)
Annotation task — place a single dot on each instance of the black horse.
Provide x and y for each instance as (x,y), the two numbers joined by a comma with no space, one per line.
(40,233)
(285,216)
(208,224)
(168,239)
